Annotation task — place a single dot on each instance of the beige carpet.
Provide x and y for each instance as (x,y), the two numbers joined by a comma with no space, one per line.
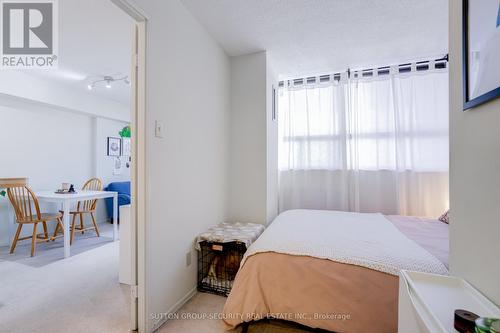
(208,303)
(77,294)
(50,252)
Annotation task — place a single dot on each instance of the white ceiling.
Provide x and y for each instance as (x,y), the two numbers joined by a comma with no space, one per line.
(317,36)
(95,40)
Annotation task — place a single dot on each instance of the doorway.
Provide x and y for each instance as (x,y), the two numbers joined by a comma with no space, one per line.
(62,122)
(138,172)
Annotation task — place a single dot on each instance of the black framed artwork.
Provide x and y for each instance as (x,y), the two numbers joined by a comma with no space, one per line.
(114,146)
(481,51)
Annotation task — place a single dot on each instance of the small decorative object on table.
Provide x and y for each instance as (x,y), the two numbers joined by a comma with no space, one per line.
(66,188)
(220,251)
(465,321)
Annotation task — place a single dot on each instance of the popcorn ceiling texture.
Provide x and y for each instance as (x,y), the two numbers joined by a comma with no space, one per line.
(305,37)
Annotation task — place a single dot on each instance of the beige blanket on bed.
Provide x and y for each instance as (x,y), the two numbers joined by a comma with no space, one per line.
(318,293)
(326,294)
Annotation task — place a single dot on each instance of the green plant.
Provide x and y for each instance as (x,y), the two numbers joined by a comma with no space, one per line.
(3,193)
(125,132)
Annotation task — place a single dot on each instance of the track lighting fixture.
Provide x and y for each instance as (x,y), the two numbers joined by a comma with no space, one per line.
(108,81)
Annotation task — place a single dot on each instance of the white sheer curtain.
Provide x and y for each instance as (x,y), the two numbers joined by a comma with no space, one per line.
(377,144)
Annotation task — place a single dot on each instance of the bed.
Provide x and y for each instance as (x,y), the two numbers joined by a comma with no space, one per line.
(335,271)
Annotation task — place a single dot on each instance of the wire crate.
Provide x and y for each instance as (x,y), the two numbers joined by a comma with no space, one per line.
(218,264)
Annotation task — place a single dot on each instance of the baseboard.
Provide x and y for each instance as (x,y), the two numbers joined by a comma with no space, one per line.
(176,307)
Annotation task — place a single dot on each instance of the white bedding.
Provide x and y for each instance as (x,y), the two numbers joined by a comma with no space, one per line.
(367,240)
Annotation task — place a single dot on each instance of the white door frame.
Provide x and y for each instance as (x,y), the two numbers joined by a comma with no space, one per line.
(138,171)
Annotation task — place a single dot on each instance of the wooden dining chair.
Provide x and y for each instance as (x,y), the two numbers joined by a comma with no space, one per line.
(86,207)
(27,211)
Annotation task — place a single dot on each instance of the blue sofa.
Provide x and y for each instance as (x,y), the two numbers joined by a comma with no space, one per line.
(123,189)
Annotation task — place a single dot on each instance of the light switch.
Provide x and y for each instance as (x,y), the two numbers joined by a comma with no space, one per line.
(159,129)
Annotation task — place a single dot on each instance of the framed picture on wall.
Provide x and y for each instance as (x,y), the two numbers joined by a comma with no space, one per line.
(481,51)
(114,146)
(126,148)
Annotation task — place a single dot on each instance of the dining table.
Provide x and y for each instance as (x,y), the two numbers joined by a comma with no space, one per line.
(66,199)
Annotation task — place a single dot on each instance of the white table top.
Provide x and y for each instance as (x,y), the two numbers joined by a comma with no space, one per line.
(67,199)
(79,195)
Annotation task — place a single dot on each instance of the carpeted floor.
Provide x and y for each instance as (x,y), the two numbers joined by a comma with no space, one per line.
(203,303)
(50,252)
(81,294)
(77,294)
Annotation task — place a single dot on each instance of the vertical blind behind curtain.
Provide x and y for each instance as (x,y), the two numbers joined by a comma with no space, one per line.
(366,144)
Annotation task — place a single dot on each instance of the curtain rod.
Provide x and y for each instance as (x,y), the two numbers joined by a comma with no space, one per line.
(383,70)
(405,65)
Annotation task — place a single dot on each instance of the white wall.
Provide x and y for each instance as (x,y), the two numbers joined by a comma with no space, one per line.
(61,104)
(253,141)
(247,142)
(474,178)
(48,146)
(103,164)
(271,146)
(21,86)
(188,89)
